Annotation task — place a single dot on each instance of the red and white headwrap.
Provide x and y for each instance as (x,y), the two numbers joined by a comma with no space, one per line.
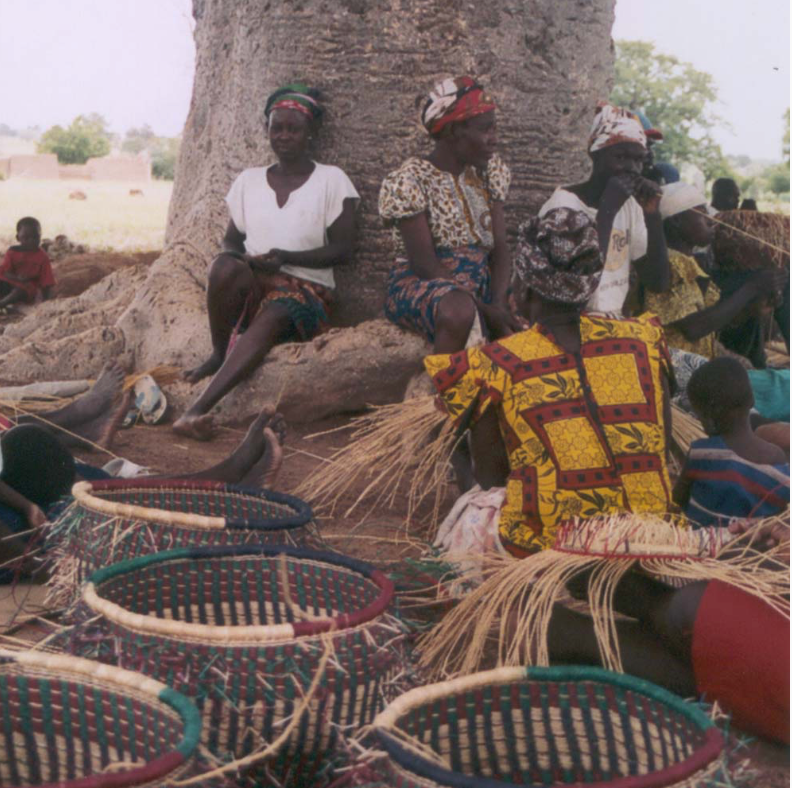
(453,100)
(613,125)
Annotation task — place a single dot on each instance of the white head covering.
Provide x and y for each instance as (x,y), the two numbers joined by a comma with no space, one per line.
(613,125)
(679,197)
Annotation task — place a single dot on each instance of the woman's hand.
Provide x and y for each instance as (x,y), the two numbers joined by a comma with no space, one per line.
(268,263)
(621,187)
(499,319)
(35,517)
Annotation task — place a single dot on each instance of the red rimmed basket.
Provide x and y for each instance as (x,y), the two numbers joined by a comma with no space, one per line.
(249,634)
(119,519)
(72,723)
(548,727)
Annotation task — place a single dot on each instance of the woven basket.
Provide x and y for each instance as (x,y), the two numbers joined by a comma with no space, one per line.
(120,519)
(746,240)
(71,723)
(244,631)
(547,726)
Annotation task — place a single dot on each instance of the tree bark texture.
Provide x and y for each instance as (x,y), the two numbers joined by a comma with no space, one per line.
(546,62)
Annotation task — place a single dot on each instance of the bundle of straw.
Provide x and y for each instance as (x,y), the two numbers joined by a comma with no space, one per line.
(746,240)
(163,374)
(685,428)
(410,440)
(520,594)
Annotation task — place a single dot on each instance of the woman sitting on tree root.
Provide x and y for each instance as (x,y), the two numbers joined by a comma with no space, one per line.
(448,223)
(290,224)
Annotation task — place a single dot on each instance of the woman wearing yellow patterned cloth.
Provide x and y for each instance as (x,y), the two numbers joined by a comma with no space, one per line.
(570,415)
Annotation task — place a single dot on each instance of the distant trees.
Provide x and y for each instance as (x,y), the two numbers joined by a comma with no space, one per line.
(85,138)
(163,150)
(677,98)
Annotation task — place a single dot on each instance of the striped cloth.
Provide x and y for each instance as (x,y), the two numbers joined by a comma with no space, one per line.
(725,486)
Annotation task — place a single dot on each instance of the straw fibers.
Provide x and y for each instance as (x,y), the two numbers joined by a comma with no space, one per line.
(685,428)
(409,441)
(746,240)
(521,593)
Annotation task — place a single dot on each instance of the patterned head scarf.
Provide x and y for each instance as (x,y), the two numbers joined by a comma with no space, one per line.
(558,256)
(453,100)
(296,96)
(613,125)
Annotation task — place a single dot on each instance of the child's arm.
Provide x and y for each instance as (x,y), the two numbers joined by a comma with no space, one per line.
(32,513)
(681,493)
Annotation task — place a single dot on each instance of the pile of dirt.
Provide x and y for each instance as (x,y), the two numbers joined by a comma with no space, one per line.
(76,273)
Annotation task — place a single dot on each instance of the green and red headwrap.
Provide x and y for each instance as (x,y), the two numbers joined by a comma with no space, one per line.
(453,100)
(296,96)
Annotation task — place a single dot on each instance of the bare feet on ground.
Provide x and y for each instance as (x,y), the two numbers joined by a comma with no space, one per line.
(258,457)
(265,472)
(205,370)
(102,430)
(98,401)
(199,428)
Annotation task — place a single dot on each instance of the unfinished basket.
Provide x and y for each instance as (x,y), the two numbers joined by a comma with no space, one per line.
(746,240)
(547,727)
(119,519)
(269,641)
(72,723)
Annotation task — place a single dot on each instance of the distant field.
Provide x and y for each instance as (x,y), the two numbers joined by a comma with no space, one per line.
(109,219)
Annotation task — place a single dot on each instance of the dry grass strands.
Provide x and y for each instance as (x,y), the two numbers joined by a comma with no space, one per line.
(746,240)
(685,428)
(515,601)
(409,441)
(163,374)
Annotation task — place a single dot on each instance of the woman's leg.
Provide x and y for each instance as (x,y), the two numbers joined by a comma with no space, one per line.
(571,640)
(230,283)
(270,325)
(453,321)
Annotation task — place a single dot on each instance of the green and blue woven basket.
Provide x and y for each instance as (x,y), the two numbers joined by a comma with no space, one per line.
(249,633)
(71,723)
(558,726)
(119,519)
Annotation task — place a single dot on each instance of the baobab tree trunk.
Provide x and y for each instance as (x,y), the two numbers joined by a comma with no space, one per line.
(546,63)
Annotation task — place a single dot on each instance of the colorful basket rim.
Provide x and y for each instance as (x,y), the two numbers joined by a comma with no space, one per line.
(247,634)
(123,681)
(85,493)
(420,696)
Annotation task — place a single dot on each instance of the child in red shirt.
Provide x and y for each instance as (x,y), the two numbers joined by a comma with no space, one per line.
(26,270)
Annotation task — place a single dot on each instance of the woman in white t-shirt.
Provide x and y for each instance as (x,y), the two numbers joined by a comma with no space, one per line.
(290,223)
(625,207)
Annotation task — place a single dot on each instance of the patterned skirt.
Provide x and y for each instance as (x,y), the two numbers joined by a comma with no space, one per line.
(411,302)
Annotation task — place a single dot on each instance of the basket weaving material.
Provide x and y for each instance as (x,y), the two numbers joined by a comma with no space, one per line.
(119,519)
(244,631)
(547,727)
(746,240)
(72,723)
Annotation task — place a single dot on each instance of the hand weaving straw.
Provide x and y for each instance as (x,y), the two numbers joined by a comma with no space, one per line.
(119,519)
(526,590)
(77,724)
(548,727)
(246,632)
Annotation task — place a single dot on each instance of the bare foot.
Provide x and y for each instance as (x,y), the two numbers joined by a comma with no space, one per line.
(265,472)
(205,370)
(111,425)
(96,404)
(101,430)
(200,428)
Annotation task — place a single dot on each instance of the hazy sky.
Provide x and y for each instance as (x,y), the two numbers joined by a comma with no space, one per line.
(132,60)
